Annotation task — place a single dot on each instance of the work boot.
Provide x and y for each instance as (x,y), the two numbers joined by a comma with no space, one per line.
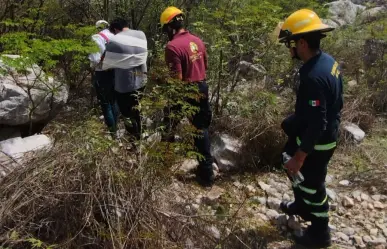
(289,208)
(312,238)
(204,178)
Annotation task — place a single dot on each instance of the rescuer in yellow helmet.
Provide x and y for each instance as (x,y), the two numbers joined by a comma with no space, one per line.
(186,57)
(313,128)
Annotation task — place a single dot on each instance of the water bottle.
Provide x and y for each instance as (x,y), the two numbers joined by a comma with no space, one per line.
(297,178)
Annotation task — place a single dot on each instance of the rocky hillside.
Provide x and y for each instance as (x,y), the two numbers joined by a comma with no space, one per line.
(64,183)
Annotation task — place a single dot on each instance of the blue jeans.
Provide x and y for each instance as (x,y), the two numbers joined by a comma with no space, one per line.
(104,85)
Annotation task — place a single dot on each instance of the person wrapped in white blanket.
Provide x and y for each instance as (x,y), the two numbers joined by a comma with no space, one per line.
(127,53)
(103,80)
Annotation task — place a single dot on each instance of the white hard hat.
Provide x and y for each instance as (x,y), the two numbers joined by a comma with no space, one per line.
(101,24)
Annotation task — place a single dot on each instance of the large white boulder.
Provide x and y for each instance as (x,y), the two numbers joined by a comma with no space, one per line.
(16,151)
(225,149)
(372,14)
(344,12)
(370,2)
(29,96)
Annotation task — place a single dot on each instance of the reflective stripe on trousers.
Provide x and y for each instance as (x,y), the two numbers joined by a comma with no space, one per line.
(320,147)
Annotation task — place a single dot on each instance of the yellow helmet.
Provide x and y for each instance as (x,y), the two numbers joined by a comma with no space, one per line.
(168,14)
(301,22)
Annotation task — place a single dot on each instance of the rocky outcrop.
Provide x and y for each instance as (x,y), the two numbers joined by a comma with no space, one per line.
(248,69)
(370,2)
(28,95)
(225,149)
(343,12)
(16,151)
(372,14)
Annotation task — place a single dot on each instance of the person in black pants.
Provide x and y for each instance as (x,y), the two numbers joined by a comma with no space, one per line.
(127,103)
(313,128)
(127,53)
(186,56)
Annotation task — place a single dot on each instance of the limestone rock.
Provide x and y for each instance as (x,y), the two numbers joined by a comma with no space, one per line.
(379,205)
(352,83)
(214,231)
(214,194)
(367,239)
(349,231)
(374,232)
(378,241)
(273,193)
(262,217)
(365,197)
(195,206)
(31,97)
(259,200)
(329,179)
(344,183)
(353,131)
(342,236)
(372,14)
(274,203)
(272,214)
(286,197)
(264,186)
(358,240)
(238,184)
(19,150)
(376,197)
(331,23)
(225,149)
(331,194)
(189,165)
(356,194)
(347,202)
(250,190)
(344,12)
(248,69)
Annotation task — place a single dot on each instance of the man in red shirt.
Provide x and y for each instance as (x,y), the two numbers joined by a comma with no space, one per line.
(186,57)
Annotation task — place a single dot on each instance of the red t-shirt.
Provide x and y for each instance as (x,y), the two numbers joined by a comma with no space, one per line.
(186,53)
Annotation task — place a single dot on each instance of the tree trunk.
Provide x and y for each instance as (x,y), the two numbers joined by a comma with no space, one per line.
(217,110)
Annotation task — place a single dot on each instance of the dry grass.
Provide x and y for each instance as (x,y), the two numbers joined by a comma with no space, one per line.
(88,192)
(81,193)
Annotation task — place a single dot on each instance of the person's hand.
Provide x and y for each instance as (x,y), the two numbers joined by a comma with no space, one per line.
(293,166)
(295,163)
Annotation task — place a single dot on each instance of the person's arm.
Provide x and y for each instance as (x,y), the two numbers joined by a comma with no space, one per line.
(174,63)
(95,58)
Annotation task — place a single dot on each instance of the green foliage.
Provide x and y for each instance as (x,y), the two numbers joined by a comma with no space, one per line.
(163,94)
(61,57)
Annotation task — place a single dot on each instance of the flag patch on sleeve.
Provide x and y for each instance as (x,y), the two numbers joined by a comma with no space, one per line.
(314,102)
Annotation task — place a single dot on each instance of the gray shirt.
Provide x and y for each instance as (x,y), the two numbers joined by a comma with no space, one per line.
(126,51)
